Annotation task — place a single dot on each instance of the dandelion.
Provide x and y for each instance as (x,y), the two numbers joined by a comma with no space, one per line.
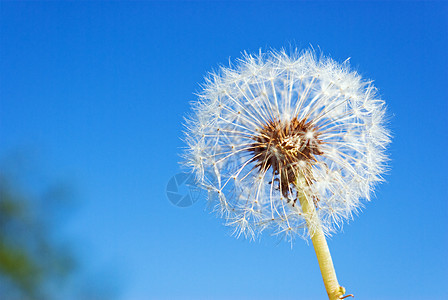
(291,143)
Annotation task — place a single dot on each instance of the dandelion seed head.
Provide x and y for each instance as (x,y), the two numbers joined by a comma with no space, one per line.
(275,125)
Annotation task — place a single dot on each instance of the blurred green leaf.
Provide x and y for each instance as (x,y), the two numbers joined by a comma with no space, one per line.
(29,257)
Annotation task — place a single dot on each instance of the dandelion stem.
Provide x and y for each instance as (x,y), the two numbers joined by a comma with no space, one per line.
(334,290)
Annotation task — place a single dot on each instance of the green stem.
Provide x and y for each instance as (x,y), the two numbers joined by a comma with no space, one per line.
(334,290)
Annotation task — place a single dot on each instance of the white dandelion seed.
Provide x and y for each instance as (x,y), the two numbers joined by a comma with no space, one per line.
(290,143)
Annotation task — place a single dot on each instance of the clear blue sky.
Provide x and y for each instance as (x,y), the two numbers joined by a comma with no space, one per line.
(99,90)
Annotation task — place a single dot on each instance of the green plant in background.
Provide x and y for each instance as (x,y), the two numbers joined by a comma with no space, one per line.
(30,259)
(37,259)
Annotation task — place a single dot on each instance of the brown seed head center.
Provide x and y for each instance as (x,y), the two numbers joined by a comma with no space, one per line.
(288,148)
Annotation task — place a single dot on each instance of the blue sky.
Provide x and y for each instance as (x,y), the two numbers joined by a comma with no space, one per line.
(98,90)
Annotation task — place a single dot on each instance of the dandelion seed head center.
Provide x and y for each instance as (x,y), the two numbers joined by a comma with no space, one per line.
(287,148)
